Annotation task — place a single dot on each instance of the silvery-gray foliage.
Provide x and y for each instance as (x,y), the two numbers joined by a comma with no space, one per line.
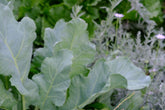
(144,49)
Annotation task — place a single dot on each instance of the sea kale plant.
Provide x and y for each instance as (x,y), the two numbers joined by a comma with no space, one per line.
(70,76)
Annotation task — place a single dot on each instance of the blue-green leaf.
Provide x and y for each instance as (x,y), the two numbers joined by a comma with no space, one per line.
(72,36)
(16,39)
(75,38)
(54,80)
(136,78)
(84,90)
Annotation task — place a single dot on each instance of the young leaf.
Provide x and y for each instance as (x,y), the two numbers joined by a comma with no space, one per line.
(54,80)
(75,38)
(52,37)
(7,101)
(16,40)
(136,78)
(72,36)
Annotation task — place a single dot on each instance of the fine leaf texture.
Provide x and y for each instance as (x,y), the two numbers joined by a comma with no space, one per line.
(136,78)
(84,90)
(7,101)
(16,40)
(54,80)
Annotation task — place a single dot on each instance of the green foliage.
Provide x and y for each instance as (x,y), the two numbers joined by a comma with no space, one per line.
(69,76)
(124,67)
(15,54)
(154,7)
(6,98)
(54,80)
(72,36)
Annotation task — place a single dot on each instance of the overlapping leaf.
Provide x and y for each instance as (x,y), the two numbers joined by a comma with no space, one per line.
(136,78)
(55,80)
(72,36)
(75,38)
(84,90)
(51,38)
(105,76)
(16,40)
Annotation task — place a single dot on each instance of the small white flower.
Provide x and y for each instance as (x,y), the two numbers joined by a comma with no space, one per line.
(160,36)
(118,15)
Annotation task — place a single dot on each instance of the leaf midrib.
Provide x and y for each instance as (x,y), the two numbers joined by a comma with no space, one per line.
(14,59)
(50,87)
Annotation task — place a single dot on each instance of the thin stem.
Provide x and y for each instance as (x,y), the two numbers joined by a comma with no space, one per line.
(23,103)
(157,51)
(133,93)
(158,46)
(117,22)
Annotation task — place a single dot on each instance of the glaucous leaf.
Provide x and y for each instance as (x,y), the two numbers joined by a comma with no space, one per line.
(16,39)
(75,38)
(54,80)
(7,101)
(72,36)
(117,81)
(136,78)
(84,90)
(51,38)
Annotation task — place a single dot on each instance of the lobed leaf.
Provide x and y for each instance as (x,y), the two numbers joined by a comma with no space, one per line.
(84,90)
(72,36)
(16,39)
(105,76)
(54,80)
(52,37)
(75,38)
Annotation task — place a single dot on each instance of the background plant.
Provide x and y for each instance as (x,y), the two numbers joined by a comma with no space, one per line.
(133,34)
(140,44)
